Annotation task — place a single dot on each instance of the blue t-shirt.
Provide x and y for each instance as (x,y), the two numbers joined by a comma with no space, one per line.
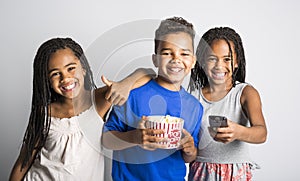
(136,163)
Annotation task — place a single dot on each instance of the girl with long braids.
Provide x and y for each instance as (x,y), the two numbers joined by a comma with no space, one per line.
(218,81)
(62,139)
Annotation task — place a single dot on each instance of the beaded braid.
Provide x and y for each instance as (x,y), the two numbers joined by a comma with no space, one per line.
(43,95)
(198,76)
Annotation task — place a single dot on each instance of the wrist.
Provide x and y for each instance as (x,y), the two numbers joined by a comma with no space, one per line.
(134,137)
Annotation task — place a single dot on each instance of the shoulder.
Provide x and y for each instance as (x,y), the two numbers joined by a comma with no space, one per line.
(249,93)
(144,86)
(99,96)
(101,104)
(188,95)
(146,89)
(191,100)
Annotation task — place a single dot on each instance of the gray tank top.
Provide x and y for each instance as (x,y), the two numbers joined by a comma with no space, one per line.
(212,151)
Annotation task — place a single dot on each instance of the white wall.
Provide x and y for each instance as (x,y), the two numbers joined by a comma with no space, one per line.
(269,30)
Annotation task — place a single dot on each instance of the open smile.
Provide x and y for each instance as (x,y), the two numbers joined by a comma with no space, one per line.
(69,87)
(218,75)
(175,69)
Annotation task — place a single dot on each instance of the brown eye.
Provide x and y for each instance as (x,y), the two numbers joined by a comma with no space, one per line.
(166,53)
(71,68)
(54,74)
(211,59)
(185,54)
(227,59)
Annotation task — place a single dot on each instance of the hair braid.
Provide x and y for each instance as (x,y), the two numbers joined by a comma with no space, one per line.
(43,95)
(198,76)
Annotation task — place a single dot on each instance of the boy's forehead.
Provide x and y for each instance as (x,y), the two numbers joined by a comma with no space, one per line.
(182,40)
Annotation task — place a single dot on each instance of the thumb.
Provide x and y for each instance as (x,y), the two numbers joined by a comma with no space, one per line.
(185,132)
(142,122)
(106,81)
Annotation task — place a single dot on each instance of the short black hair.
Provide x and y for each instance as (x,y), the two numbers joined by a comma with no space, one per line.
(173,25)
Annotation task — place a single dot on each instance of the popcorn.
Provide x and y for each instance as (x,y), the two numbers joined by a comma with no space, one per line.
(173,129)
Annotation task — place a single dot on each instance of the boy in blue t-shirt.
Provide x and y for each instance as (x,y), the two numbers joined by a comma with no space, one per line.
(137,154)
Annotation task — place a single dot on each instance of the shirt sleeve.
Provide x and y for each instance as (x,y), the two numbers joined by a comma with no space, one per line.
(116,120)
(196,131)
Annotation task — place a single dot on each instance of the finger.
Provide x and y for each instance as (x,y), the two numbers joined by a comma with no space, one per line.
(146,147)
(122,101)
(115,99)
(142,123)
(155,131)
(106,81)
(186,133)
(145,118)
(157,145)
(154,146)
(109,91)
(187,141)
(155,139)
(212,131)
(119,100)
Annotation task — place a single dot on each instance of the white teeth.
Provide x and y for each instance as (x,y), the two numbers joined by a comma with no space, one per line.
(175,69)
(71,86)
(220,74)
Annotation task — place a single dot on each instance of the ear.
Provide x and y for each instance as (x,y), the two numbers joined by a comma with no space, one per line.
(194,61)
(155,60)
(83,70)
(236,64)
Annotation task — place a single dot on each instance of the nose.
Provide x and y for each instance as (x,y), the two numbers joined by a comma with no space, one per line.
(219,64)
(65,76)
(176,58)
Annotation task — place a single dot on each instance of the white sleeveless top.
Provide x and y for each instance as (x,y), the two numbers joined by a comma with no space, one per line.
(212,151)
(72,150)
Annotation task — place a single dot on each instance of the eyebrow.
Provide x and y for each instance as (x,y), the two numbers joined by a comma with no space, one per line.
(72,63)
(163,49)
(213,55)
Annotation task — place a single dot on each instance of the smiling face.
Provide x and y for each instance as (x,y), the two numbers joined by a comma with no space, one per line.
(66,73)
(174,59)
(218,63)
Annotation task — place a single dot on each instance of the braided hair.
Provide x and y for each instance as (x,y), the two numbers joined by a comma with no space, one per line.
(198,76)
(173,25)
(43,95)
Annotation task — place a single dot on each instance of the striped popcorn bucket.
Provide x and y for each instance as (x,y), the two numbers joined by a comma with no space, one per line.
(172,126)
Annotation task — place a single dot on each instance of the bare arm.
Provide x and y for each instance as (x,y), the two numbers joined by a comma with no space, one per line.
(252,106)
(143,137)
(118,92)
(257,133)
(116,140)
(17,174)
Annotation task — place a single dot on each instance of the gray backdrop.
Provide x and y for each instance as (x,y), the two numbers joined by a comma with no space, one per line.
(269,31)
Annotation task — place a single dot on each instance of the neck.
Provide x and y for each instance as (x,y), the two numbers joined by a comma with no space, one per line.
(168,85)
(77,104)
(214,92)
(226,86)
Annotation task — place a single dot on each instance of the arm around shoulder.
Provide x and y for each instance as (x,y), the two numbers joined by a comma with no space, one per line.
(118,92)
